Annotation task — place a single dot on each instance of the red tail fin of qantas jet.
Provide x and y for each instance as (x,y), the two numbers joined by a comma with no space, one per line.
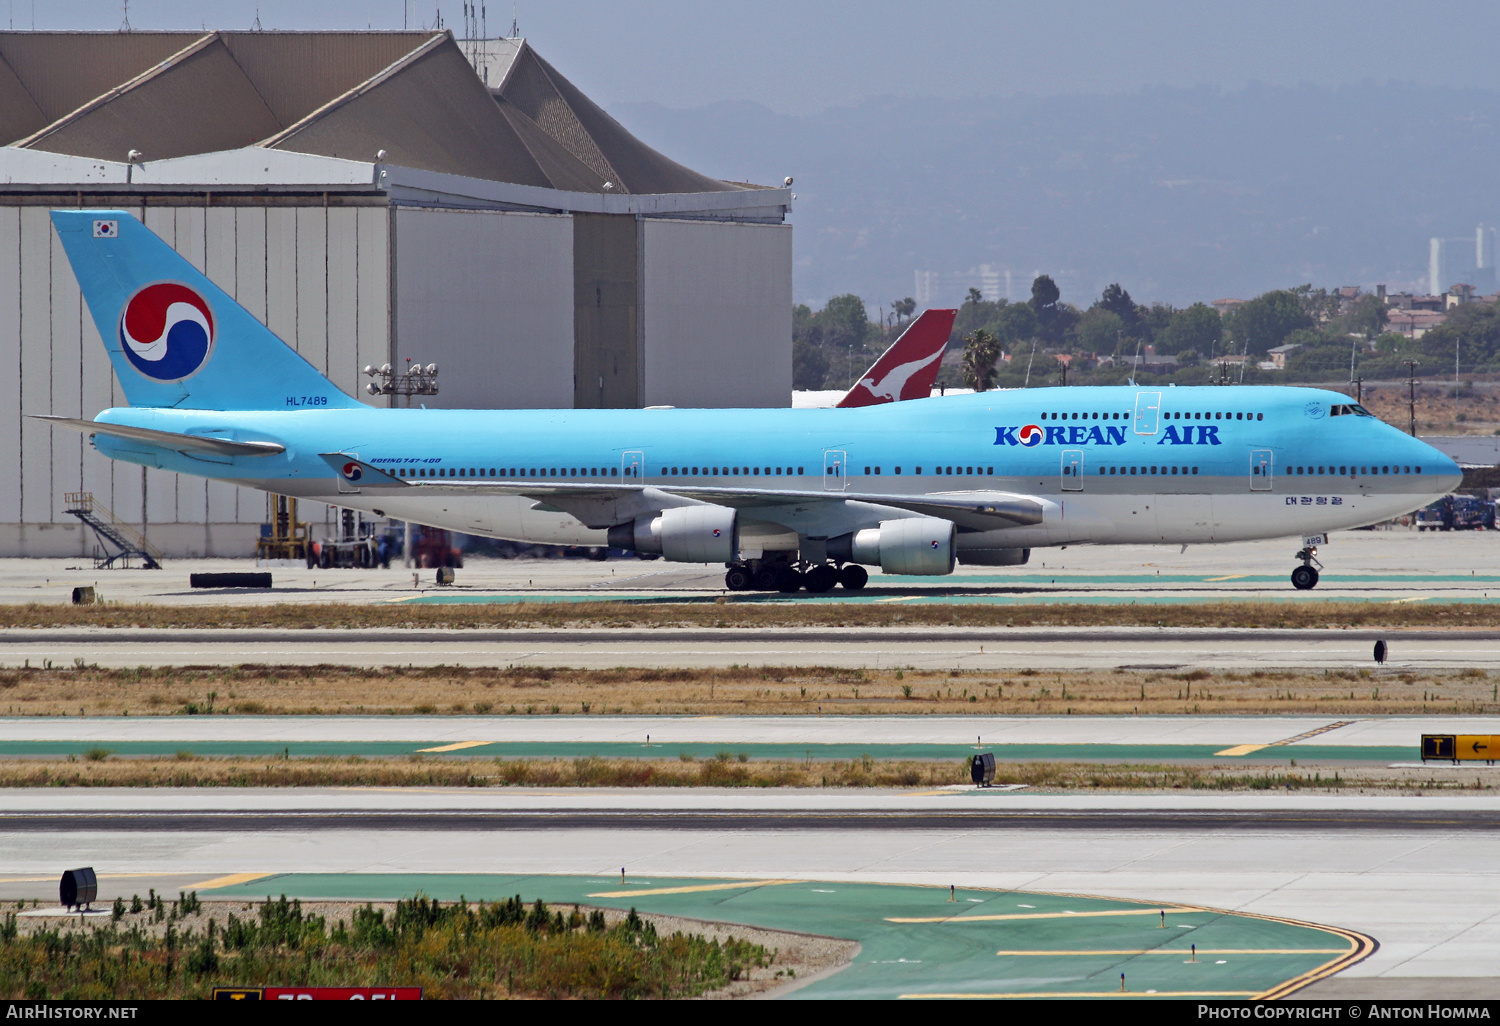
(908,369)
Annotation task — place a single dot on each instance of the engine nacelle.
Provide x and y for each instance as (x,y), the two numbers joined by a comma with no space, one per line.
(920,546)
(683,534)
(994,557)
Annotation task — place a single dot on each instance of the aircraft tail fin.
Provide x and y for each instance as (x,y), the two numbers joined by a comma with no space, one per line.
(908,369)
(175,338)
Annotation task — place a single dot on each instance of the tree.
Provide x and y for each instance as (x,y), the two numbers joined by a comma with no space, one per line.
(1118,302)
(904,308)
(809,364)
(1014,323)
(1367,316)
(1052,318)
(981,350)
(975,296)
(1099,330)
(1265,321)
(1044,295)
(1199,328)
(845,321)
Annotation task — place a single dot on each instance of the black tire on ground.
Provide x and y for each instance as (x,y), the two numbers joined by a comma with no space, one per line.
(764,579)
(325,558)
(789,579)
(737,579)
(853,576)
(1304,578)
(820,579)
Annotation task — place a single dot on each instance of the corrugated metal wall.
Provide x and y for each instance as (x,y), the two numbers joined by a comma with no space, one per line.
(716,314)
(488,297)
(317,275)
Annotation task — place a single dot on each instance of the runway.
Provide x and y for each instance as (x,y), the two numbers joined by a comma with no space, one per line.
(987,649)
(1416,874)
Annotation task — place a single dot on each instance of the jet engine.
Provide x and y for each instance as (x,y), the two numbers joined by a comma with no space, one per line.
(683,534)
(994,557)
(921,546)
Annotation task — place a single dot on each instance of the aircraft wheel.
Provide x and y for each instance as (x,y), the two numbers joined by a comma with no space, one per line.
(789,579)
(853,576)
(737,579)
(1304,578)
(764,579)
(820,578)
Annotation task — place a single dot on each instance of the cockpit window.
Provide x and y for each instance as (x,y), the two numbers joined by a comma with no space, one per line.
(1349,409)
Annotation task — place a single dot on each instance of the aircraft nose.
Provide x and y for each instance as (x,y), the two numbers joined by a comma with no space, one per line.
(1449,475)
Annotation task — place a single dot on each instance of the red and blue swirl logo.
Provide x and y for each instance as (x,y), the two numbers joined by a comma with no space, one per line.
(352,471)
(167,331)
(1030,435)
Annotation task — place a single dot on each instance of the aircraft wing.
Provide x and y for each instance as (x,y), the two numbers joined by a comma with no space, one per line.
(603,504)
(167,439)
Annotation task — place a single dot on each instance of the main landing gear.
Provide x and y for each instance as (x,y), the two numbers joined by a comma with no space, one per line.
(1305,577)
(784,575)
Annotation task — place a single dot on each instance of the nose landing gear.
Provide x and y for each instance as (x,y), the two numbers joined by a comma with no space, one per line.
(1305,577)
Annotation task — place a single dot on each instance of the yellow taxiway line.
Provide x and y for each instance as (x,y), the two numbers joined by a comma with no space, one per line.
(1081,994)
(1201,951)
(1174,910)
(456,747)
(743,884)
(227,881)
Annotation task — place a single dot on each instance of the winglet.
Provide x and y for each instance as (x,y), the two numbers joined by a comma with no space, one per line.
(908,369)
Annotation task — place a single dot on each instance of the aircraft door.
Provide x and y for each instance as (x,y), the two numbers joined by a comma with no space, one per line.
(1072,470)
(1147,411)
(632,466)
(835,463)
(1260,470)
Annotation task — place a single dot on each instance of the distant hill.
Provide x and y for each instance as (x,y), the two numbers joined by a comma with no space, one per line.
(1179,194)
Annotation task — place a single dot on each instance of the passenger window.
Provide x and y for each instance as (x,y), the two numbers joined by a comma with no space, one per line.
(1260,416)
(755,471)
(917,471)
(1195,470)
(799,470)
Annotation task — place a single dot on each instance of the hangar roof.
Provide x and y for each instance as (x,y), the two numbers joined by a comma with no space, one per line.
(343,95)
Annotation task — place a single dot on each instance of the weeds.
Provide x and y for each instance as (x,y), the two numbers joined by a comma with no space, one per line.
(457,950)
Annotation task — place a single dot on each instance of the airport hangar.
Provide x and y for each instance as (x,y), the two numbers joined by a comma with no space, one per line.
(373,197)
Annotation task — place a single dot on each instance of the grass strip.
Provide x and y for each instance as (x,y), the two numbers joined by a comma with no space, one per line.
(258,689)
(1308,613)
(455,951)
(727,770)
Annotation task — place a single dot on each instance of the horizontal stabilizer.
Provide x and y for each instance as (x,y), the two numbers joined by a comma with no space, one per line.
(167,439)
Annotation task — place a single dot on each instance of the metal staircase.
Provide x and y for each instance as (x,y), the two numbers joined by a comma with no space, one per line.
(118,541)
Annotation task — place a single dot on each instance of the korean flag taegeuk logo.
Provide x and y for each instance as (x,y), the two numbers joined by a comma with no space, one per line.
(106,229)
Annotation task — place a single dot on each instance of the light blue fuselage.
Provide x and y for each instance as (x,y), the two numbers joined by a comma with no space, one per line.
(1121,464)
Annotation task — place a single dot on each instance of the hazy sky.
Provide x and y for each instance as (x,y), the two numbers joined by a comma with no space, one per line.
(800,56)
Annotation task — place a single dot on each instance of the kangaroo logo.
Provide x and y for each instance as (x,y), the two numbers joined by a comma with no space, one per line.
(167,331)
(894,382)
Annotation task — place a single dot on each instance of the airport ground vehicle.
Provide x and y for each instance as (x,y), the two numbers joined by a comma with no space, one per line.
(784,498)
(1457,513)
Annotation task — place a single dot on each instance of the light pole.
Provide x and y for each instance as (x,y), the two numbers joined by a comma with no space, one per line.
(1411,397)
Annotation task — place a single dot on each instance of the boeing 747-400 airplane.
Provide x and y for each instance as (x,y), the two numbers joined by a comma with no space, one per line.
(784,498)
